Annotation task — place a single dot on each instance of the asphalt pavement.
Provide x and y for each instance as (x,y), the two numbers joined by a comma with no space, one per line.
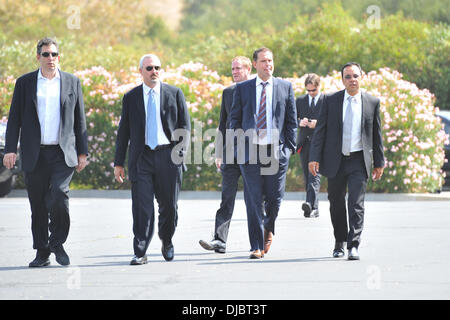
(405,253)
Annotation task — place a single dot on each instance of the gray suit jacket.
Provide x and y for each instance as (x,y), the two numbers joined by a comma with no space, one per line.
(23,120)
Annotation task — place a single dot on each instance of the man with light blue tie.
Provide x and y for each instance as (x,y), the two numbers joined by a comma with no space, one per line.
(151,113)
(346,145)
(264,108)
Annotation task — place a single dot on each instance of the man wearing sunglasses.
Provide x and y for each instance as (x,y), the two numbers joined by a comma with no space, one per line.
(308,109)
(152,113)
(47,113)
(346,144)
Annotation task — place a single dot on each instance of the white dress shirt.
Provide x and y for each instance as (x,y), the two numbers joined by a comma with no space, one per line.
(48,107)
(162,139)
(356,105)
(316,98)
(267,139)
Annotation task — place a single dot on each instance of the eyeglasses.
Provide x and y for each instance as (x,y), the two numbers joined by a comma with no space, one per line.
(47,54)
(150,68)
(356,76)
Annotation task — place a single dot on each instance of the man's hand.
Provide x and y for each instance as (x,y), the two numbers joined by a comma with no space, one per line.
(218,162)
(304,122)
(312,124)
(9,160)
(313,167)
(377,173)
(119,173)
(82,162)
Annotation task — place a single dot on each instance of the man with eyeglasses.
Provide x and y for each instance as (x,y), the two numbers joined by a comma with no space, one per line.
(308,110)
(154,127)
(347,142)
(47,113)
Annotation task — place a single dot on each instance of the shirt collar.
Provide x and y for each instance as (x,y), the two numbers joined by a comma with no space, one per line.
(40,76)
(156,88)
(315,98)
(356,96)
(259,81)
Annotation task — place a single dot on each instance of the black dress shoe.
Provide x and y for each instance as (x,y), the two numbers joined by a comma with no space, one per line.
(338,251)
(136,261)
(306,207)
(61,256)
(167,250)
(41,260)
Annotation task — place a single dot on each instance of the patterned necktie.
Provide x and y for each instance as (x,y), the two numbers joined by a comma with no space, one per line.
(152,129)
(347,130)
(261,120)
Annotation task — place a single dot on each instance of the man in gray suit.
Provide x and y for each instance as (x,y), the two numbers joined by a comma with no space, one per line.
(346,143)
(264,108)
(241,68)
(47,113)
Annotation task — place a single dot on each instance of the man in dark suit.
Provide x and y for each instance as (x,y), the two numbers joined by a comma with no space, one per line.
(264,108)
(153,115)
(346,143)
(308,109)
(47,112)
(241,68)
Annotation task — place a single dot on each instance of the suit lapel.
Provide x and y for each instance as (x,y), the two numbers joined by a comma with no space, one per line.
(253,97)
(140,105)
(33,87)
(365,112)
(63,89)
(162,101)
(274,96)
(340,110)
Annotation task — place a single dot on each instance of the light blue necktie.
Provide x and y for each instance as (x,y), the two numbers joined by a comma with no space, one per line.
(152,129)
(347,130)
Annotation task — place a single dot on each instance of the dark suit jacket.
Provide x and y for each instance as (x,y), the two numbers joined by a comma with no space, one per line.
(24,121)
(284,114)
(326,146)
(304,111)
(174,115)
(224,121)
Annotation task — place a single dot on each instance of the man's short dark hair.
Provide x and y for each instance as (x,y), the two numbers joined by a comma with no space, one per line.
(349,64)
(313,79)
(263,49)
(46,42)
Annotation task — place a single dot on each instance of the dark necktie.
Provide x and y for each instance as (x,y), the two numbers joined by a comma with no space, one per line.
(261,120)
(312,104)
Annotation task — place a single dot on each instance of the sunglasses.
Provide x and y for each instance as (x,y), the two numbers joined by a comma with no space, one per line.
(47,54)
(356,76)
(313,90)
(150,68)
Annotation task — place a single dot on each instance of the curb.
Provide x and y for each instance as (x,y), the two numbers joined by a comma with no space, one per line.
(216,195)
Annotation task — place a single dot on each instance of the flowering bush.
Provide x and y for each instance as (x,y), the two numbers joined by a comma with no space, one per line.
(413,137)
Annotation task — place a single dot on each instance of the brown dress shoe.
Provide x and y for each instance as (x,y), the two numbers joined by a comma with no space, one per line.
(267,240)
(257,254)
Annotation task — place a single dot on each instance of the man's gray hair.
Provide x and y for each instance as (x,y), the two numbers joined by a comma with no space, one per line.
(145,56)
